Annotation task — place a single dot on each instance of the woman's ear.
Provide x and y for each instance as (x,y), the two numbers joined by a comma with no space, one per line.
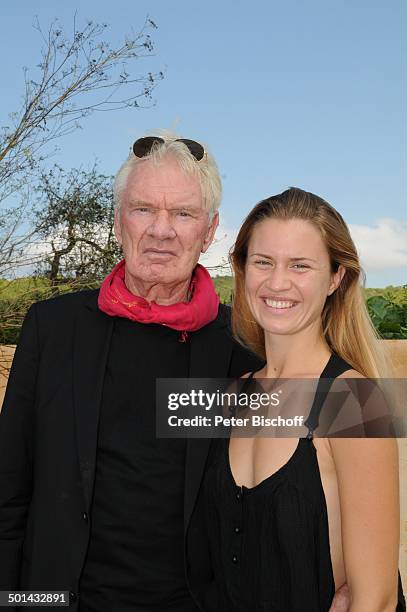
(336,279)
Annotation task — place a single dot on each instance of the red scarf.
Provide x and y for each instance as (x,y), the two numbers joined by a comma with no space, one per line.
(116,300)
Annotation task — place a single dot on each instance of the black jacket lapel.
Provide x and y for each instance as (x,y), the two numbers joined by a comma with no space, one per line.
(211,351)
(90,351)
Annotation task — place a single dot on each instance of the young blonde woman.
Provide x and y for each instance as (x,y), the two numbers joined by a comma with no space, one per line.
(291,520)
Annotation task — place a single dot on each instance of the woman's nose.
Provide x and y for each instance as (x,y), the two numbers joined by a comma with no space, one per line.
(278,279)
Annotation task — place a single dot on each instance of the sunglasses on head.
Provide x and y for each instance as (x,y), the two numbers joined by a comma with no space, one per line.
(143,146)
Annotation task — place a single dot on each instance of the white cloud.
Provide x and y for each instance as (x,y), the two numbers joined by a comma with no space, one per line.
(217,254)
(382,246)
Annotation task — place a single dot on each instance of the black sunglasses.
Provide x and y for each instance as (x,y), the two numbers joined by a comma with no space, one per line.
(143,146)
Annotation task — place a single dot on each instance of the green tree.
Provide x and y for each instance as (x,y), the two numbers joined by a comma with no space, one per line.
(75,216)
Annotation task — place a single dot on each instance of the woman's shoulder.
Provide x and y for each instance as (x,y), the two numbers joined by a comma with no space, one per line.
(351,374)
(365,406)
(339,367)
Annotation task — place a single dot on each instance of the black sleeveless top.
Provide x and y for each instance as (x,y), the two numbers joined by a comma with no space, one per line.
(270,543)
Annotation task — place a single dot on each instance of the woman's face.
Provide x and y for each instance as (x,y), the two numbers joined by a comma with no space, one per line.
(288,275)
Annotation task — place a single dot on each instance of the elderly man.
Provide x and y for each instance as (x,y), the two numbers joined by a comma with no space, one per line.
(91,502)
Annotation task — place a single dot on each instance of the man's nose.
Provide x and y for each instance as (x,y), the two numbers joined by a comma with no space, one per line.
(161,226)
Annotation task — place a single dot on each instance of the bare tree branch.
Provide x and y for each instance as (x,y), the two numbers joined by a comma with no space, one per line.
(78,74)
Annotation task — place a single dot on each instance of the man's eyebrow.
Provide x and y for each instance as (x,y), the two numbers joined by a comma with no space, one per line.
(139,203)
(176,206)
(187,206)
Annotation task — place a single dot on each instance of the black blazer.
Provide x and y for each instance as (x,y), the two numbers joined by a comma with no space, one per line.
(48,441)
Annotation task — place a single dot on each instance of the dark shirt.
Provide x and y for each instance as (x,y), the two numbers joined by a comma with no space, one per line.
(270,543)
(135,557)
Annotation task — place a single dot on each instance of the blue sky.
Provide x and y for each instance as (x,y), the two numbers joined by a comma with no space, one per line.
(311,94)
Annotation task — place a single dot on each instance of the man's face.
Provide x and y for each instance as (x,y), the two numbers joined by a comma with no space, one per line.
(162,225)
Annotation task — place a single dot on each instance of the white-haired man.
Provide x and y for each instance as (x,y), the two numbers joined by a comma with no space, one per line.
(91,502)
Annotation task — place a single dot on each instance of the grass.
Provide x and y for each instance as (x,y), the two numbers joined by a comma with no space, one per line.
(389,313)
(396,295)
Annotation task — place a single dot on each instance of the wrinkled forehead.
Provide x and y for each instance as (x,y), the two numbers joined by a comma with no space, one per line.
(162,183)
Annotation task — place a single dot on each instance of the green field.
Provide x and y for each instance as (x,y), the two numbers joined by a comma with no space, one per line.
(224,287)
(38,288)
(16,297)
(387,307)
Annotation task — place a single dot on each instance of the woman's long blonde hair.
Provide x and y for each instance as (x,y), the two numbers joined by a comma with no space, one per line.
(346,324)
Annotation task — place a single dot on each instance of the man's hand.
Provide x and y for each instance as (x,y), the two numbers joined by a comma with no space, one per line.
(341,601)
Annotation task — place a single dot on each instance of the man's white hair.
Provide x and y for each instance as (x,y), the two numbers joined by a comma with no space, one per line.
(206,170)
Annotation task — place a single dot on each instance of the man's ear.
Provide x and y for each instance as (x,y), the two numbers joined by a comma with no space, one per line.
(210,234)
(117,226)
(336,279)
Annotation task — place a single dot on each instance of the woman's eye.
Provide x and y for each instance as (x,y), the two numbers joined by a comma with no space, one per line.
(184,213)
(262,262)
(300,266)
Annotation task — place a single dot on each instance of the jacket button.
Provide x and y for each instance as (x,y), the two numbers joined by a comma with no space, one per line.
(237,530)
(234,559)
(73,596)
(85,516)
